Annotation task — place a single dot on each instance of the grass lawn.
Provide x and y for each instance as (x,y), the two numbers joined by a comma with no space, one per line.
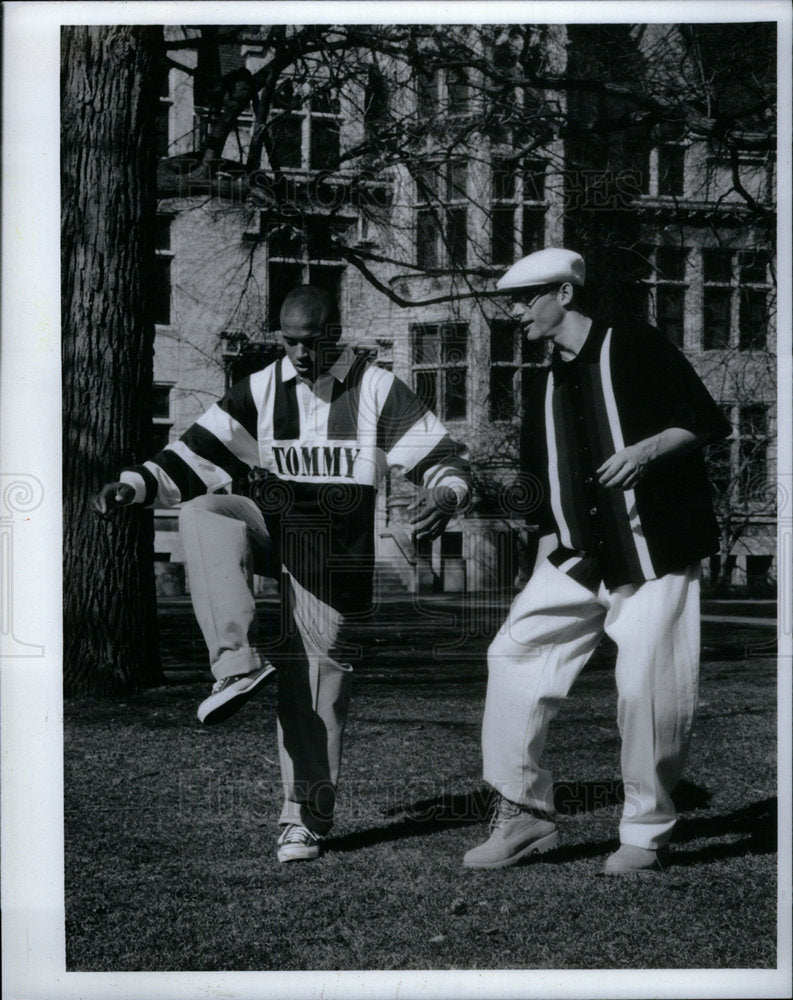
(170,831)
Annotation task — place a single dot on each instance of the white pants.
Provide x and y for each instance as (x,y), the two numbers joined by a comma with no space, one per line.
(226,541)
(550,633)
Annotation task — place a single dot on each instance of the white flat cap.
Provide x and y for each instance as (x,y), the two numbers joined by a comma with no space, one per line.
(545,267)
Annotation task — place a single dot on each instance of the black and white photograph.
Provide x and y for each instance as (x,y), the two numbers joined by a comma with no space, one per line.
(397,500)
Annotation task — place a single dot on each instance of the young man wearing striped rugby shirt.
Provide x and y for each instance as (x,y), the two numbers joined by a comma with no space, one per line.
(617,425)
(324,424)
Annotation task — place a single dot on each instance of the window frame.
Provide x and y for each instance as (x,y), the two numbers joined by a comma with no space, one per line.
(163,274)
(656,279)
(679,149)
(301,260)
(165,103)
(519,199)
(752,444)
(435,94)
(441,366)
(519,364)
(161,423)
(734,288)
(301,108)
(441,215)
(743,483)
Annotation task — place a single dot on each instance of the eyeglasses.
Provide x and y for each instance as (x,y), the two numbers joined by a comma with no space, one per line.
(527,299)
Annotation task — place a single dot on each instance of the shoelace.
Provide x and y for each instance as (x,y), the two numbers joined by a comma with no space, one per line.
(294,834)
(219,685)
(504,811)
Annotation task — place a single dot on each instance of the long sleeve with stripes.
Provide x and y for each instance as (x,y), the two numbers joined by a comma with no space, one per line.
(214,451)
(257,423)
(324,450)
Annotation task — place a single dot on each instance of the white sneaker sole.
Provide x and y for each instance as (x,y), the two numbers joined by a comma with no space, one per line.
(541,846)
(218,707)
(300,854)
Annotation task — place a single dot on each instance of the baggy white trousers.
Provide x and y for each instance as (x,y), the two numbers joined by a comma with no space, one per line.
(226,541)
(551,631)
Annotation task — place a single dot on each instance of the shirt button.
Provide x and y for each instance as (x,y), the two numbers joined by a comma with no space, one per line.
(593,510)
(589,480)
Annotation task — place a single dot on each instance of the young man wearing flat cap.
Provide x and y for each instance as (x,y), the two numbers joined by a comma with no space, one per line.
(617,425)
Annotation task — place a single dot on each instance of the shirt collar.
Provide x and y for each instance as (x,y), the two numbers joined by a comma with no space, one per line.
(590,349)
(339,369)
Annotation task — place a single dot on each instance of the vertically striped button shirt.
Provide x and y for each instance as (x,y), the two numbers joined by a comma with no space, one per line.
(627,383)
(324,449)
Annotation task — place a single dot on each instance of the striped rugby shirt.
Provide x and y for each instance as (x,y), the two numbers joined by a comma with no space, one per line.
(324,450)
(627,383)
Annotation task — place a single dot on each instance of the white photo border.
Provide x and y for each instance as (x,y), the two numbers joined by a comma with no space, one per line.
(30,448)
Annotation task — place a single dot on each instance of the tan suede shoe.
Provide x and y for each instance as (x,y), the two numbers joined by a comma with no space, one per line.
(630,860)
(514,834)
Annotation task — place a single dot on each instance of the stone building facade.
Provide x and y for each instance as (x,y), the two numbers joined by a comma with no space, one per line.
(662,215)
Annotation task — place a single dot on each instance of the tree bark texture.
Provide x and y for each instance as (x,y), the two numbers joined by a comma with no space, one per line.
(108,203)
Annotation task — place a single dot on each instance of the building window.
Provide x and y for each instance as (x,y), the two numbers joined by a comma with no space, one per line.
(637,169)
(441,215)
(324,129)
(759,573)
(671,170)
(735,299)
(753,299)
(428,95)
(443,91)
(161,416)
(738,467)
(163,257)
(512,357)
(162,137)
(452,545)
(670,291)
(663,299)
(243,356)
(376,101)
(753,452)
(518,209)
(305,127)
(300,254)
(719,456)
(651,170)
(440,367)
(716,298)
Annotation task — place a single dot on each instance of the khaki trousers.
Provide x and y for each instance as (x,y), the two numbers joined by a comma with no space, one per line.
(551,631)
(226,541)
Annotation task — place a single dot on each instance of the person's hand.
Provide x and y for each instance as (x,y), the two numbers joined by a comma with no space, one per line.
(625,468)
(112,496)
(432,511)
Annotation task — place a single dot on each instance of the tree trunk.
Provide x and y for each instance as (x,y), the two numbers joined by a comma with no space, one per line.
(109,105)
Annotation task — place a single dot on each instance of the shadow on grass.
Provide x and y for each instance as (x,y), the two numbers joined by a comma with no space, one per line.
(755,823)
(465,808)
(420,818)
(574,797)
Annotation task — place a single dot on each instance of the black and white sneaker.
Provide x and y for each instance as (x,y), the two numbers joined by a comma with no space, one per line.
(231,693)
(298,843)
